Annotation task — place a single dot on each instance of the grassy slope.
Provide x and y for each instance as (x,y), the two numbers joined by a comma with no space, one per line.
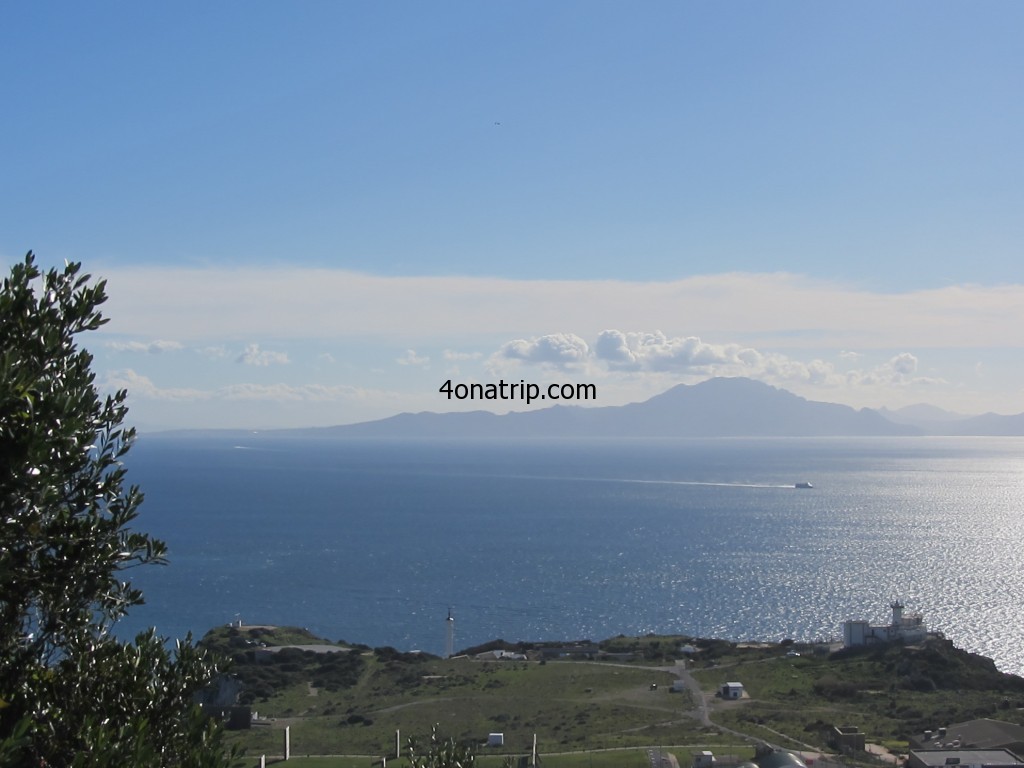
(890,692)
(578,705)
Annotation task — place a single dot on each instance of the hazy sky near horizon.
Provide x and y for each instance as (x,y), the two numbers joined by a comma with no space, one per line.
(315,213)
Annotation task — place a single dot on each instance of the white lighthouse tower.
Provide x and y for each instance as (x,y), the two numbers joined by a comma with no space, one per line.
(897,613)
(449,635)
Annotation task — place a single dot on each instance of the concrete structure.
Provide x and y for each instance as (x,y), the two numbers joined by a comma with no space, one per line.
(731,690)
(704,759)
(906,628)
(981,734)
(846,738)
(495,739)
(963,758)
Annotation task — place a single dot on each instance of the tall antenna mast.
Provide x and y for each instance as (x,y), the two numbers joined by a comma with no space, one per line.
(449,635)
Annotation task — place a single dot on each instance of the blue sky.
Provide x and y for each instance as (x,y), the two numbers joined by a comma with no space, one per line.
(315,213)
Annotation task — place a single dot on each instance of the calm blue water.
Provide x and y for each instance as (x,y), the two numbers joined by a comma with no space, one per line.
(373,541)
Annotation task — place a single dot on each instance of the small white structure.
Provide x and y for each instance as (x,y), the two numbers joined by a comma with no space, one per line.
(501,656)
(732,690)
(909,628)
(704,759)
(495,739)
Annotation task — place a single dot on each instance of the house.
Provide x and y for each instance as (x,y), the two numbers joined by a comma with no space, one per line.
(731,691)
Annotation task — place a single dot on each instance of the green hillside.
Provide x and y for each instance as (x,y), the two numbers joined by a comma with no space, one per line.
(610,695)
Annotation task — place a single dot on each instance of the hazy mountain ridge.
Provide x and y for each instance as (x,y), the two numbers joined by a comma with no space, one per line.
(721,407)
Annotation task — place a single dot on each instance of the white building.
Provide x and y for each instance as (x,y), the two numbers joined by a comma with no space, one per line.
(906,628)
(732,690)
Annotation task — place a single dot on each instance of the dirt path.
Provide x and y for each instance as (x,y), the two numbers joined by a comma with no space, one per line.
(700,711)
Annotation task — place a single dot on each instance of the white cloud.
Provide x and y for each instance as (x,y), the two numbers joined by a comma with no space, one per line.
(904,364)
(688,358)
(560,350)
(657,352)
(411,358)
(898,371)
(253,355)
(142,386)
(151,347)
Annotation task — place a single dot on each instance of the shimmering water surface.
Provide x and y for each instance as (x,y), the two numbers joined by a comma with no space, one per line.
(373,541)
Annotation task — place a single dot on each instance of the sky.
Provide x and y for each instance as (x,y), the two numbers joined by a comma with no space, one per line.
(316,213)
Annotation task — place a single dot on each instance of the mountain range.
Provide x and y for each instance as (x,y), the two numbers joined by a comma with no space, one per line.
(719,407)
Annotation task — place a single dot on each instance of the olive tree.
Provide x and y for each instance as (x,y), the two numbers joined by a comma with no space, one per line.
(71,694)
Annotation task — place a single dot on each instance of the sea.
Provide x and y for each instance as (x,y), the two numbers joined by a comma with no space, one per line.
(375,541)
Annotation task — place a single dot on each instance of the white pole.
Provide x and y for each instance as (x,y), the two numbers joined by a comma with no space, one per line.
(287,742)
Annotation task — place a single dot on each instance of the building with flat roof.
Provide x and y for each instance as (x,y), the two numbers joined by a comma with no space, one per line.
(731,691)
(984,733)
(906,628)
(963,758)
(846,738)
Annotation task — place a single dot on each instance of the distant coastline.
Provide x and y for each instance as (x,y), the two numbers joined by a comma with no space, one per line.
(719,407)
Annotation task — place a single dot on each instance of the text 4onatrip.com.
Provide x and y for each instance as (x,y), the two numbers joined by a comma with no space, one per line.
(518,390)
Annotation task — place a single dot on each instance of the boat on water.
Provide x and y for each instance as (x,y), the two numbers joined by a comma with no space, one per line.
(803,485)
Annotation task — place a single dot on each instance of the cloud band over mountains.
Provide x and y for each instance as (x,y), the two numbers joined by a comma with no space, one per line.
(352,346)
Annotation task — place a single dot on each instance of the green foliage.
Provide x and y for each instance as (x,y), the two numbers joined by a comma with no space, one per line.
(70,694)
(262,675)
(440,752)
